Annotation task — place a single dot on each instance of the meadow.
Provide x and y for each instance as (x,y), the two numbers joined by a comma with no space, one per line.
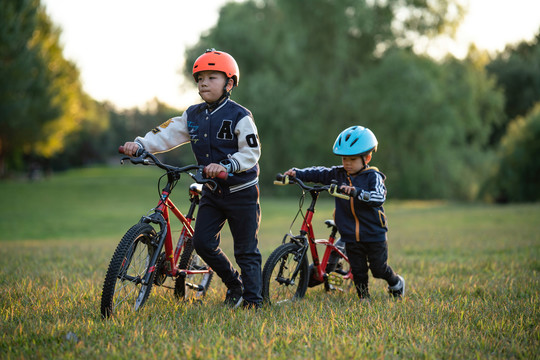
(471,272)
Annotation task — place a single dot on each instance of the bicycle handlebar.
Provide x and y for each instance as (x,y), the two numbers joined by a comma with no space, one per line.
(145,158)
(333,188)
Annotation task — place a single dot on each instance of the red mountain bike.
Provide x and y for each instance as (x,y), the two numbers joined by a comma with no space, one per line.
(286,273)
(145,256)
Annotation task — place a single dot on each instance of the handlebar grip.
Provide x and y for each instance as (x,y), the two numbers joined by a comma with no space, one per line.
(138,153)
(334,191)
(281,179)
(222,175)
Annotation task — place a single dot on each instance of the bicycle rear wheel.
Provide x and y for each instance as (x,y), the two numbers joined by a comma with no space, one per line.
(123,288)
(194,286)
(278,284)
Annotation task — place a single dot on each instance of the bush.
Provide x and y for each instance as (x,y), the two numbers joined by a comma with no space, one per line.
(516,176)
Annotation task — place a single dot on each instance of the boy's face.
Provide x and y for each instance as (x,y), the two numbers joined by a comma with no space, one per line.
(352,164)
(211,84)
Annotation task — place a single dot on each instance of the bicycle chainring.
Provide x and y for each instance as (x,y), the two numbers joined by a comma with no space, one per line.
(312,281)
(161,272)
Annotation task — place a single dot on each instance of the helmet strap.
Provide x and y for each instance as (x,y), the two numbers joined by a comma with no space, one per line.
(366,159)
(226,94)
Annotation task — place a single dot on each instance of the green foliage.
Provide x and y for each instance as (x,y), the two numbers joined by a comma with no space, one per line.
(432,121)
(42,104)
(517,70)
(106,128)
(26,97)
(307,75)
(126,125)
(471,272)
(516,176)
(309,69)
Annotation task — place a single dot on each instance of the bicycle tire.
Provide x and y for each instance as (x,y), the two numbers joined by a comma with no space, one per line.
(122,286)
(192,287)
(277,286)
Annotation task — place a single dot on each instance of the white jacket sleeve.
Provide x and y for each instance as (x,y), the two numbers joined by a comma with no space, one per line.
(167,136)
(249,147)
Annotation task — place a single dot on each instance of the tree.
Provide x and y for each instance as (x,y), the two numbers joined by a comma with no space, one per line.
(517,174)
(26,98)
(517,70)
(41,99)
(125,125)
(433,123)
(313,68)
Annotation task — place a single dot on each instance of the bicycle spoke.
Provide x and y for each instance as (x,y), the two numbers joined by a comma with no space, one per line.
(124,287)
(279,286)
(192,287)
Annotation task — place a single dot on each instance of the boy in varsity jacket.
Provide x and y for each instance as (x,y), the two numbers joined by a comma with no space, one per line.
(360,220)
(224,138)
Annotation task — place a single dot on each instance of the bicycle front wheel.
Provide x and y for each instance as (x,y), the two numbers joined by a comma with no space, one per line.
(279,285)
(123,287)
(192,287)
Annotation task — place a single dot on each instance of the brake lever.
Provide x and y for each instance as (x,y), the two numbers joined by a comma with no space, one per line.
(136,160)
(124,159)
(199,177)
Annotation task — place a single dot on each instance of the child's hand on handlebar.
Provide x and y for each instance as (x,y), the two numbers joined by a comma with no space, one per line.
(130,148)
(290,172)
(214,170)
(349,190)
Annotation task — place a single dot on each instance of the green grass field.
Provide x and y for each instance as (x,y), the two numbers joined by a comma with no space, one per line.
(471,272)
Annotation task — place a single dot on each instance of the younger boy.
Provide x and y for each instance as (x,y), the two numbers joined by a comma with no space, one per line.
(360,220)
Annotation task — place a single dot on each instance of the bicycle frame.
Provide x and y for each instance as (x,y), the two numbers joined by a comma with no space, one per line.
(287,273)
(161,216)
(306,231)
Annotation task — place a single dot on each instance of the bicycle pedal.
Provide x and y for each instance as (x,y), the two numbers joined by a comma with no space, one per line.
(195,286)
(334,279)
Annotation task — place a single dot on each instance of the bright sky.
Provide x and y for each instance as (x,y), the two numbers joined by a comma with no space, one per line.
(130,51)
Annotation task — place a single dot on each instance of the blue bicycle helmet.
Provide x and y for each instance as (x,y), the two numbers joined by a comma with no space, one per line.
(356,140)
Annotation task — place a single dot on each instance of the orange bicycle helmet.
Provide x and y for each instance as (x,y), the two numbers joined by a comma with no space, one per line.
(217,61)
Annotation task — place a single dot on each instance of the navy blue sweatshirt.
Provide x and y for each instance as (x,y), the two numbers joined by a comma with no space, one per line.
(361,218)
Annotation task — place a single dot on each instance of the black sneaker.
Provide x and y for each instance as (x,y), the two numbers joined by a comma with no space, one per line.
(234,297)
(397,291)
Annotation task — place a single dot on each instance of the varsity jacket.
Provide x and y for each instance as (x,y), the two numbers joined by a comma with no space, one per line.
(361,218)
(226,136)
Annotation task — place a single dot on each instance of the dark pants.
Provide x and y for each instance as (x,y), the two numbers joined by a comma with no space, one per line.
(364,256)
(241,209)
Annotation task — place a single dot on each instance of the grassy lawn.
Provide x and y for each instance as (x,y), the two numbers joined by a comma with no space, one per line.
(471,272)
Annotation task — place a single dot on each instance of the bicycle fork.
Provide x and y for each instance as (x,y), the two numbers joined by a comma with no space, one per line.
(155,218)
(298,257)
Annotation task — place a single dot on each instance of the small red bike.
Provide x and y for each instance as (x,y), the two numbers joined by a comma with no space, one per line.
(145,256)
(286,273)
